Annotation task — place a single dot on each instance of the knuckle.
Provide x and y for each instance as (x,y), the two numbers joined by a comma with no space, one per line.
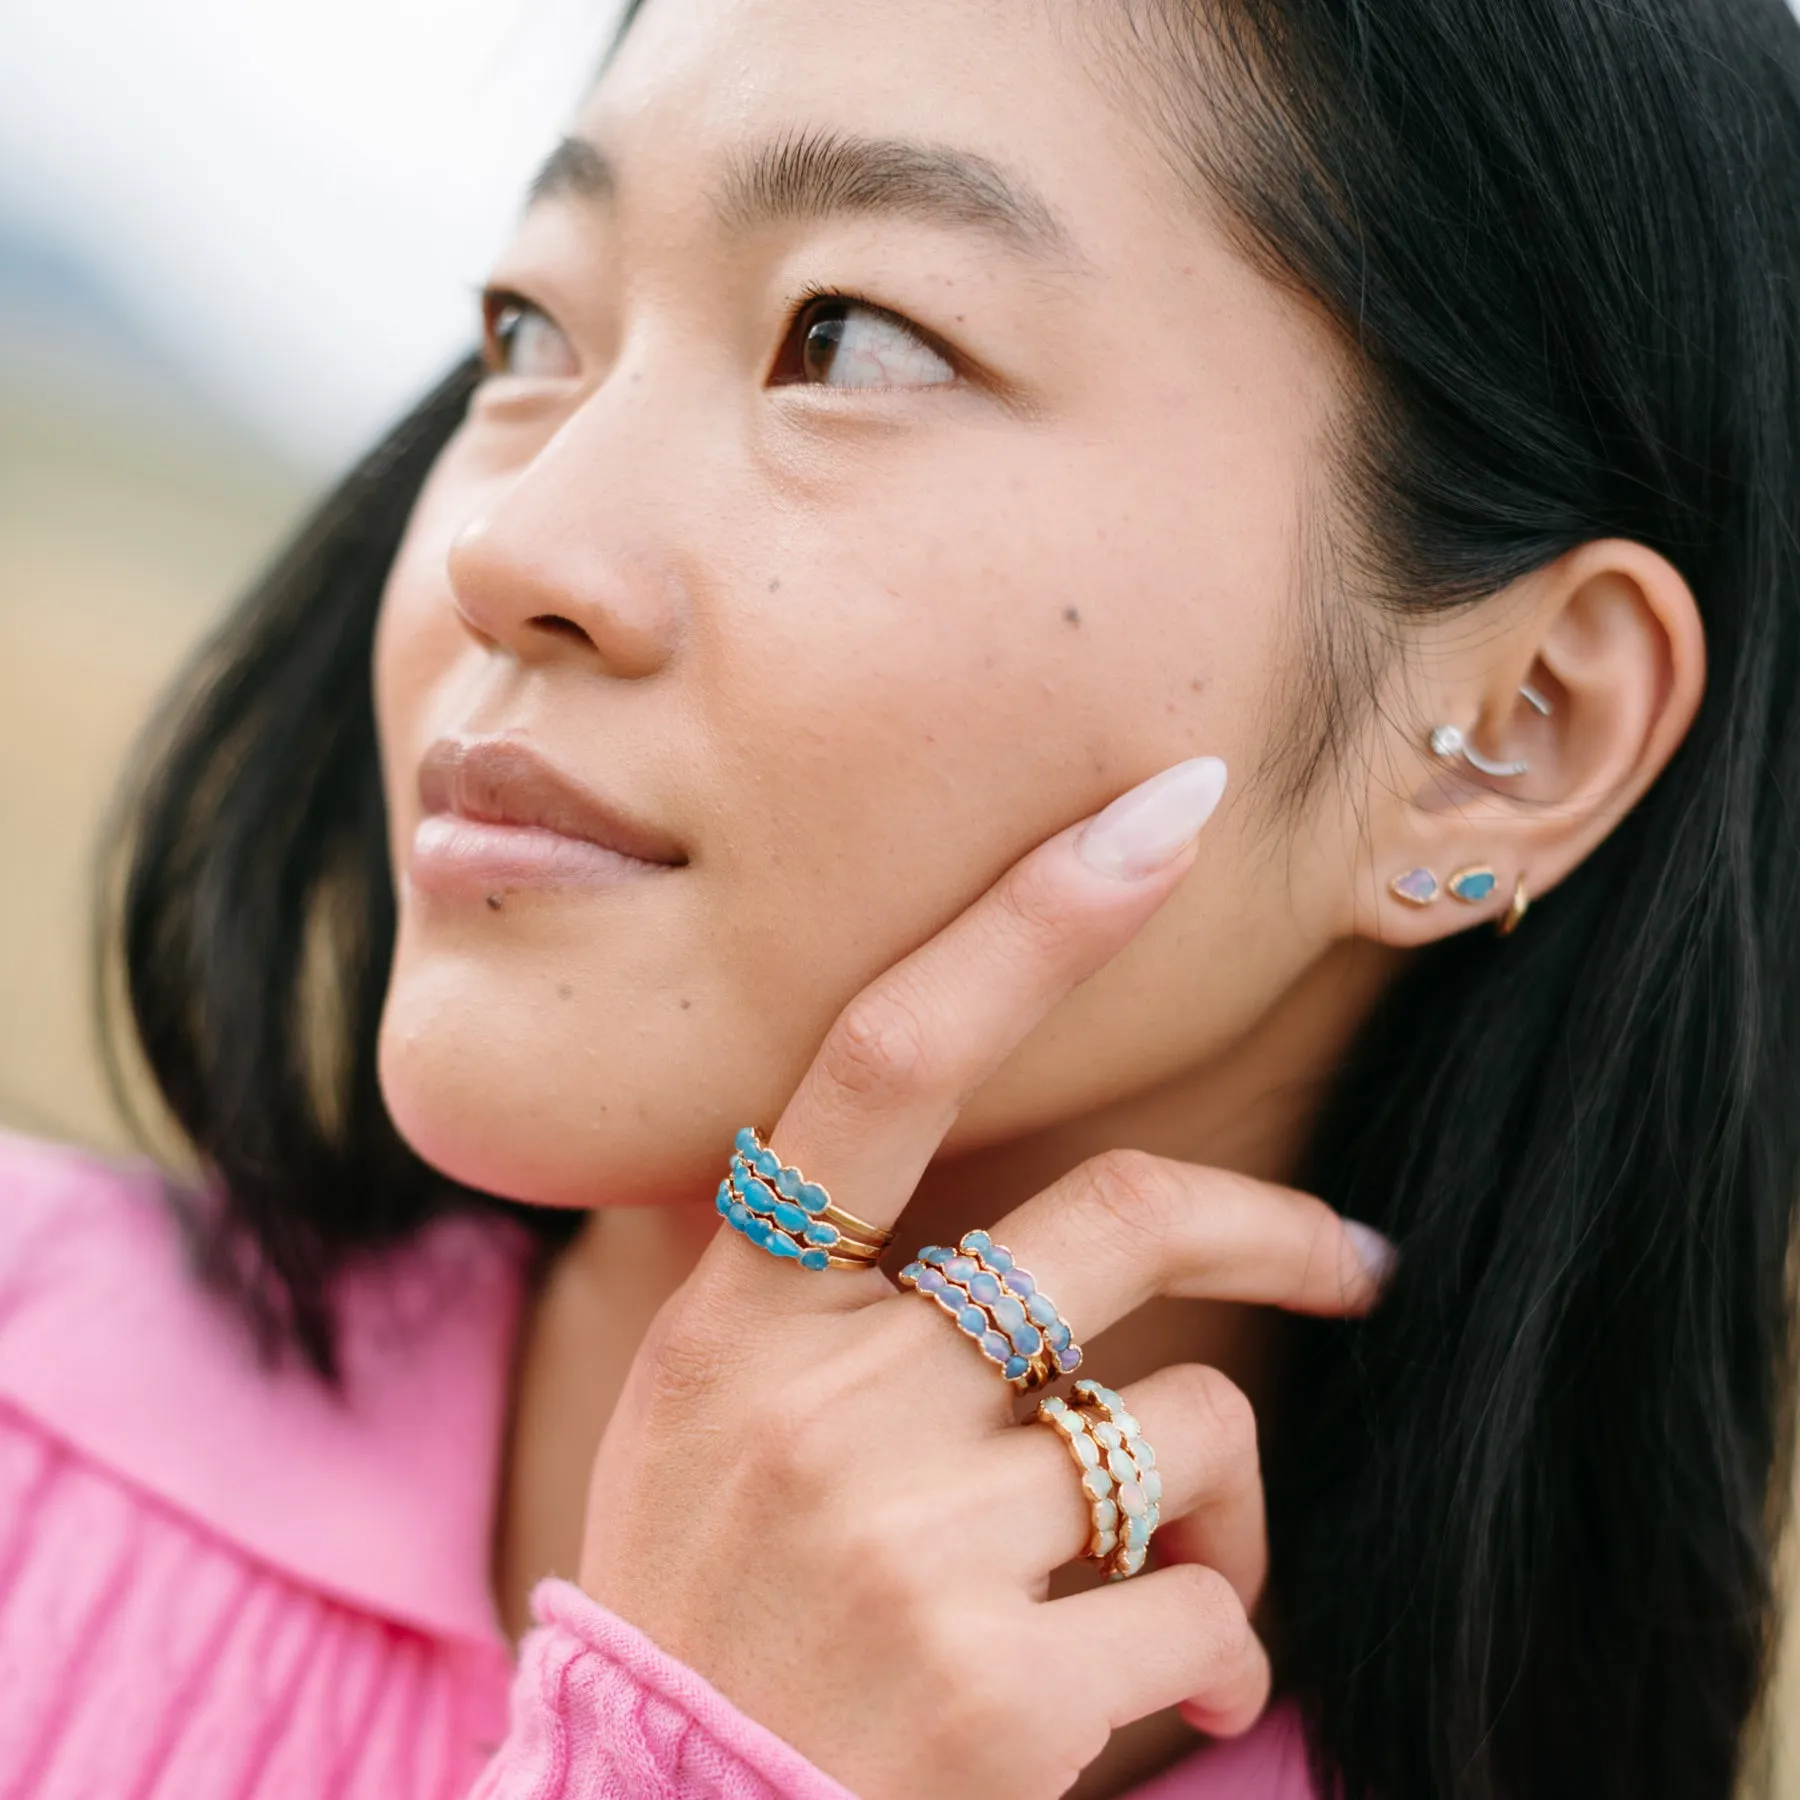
(1133,1190)
(1035,914)
(1221,1627)
(1230,1422)
(682,1357)
(973,1697)
(878,1051)
(794,1443)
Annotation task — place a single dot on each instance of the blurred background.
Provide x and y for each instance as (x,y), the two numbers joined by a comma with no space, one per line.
(236,239)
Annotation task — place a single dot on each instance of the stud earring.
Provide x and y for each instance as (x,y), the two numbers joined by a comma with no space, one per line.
(1472,885)
(1417,887)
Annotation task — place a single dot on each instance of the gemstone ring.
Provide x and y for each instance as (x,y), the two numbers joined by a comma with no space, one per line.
(1119,1477)
(999,1306)
(780,1211)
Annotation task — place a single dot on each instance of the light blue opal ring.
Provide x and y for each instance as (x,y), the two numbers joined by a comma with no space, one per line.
(1017,1292)
(998,1306)
(1097,1482)
(1128,1458)
(974,1320)
(780,1211)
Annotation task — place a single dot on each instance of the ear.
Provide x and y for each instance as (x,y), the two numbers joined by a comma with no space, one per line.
(1608,637)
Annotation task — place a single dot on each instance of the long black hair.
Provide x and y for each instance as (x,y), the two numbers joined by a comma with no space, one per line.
(1523,1517)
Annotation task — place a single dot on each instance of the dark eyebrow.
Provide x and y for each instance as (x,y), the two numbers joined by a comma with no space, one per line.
(575,169)
(818,174)
(821,174)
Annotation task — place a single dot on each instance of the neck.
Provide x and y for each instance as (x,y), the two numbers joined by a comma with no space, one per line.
(1249,1110)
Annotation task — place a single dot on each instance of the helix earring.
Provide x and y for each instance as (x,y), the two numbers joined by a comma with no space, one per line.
(1448,741)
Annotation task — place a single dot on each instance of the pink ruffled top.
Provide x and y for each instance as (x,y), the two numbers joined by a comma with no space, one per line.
(219,1581)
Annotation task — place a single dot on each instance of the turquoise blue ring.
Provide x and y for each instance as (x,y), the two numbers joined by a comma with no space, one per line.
(999,1307)
(773,1205)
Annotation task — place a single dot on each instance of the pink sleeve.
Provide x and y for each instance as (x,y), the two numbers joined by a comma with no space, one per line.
(599,1713)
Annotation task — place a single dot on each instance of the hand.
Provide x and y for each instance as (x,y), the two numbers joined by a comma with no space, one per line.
(813,1491)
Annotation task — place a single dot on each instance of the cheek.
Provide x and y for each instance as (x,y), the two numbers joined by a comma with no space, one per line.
(950,697)
(978,658)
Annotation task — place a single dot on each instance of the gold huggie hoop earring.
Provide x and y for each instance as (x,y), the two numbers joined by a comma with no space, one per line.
(1521,904)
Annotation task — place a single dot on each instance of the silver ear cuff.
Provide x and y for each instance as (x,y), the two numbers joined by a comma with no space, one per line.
(1448,741)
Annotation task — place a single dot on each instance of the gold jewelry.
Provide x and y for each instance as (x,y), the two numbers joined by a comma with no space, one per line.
(780,1211)
(1521,904)
(1097,1485)
(1132,1464)
(1010,1319)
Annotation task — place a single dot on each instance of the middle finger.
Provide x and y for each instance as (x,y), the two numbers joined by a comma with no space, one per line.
(1126,1227)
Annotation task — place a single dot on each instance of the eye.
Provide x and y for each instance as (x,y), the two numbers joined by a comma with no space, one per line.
(521,339)
(835,341)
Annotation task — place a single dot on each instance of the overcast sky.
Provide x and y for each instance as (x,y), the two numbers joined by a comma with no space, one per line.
(290,198)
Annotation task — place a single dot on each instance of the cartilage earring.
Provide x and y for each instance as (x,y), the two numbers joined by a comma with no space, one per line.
(1448,742)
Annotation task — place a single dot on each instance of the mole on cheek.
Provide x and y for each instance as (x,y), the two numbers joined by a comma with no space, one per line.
(494,902)
(1073,616)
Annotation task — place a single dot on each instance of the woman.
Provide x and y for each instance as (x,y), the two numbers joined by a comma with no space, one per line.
(1095,616)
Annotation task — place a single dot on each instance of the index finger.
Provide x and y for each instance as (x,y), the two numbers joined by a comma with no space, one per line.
(905,1054)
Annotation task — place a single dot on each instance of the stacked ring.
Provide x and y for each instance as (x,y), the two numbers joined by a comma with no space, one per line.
(1118,1475)
(999,1306)
(780,1211)
(1096,1481)
(1060,1351)
(1132,1464)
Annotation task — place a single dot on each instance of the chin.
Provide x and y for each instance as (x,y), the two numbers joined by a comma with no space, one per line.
(510,1088)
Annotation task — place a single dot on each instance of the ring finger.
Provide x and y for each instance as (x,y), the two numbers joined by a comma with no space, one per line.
(1034,1514)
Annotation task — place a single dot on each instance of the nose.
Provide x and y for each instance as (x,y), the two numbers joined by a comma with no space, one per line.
(552,569)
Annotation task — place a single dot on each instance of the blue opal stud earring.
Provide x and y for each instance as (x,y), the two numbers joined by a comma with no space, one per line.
(1473,885)
(1417,887)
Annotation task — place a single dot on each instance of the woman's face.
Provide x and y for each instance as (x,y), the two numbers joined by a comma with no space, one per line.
(846,602)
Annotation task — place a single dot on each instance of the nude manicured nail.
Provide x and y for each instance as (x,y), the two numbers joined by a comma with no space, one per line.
(1147,828)
(1376,1252)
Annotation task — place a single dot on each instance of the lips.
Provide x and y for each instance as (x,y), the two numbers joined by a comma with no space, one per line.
(498,815)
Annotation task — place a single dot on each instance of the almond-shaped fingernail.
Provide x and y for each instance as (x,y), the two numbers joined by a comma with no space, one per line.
(1376,1253)
(1146,829)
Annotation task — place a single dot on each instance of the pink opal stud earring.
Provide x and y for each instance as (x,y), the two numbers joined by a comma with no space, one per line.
(1417,887)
